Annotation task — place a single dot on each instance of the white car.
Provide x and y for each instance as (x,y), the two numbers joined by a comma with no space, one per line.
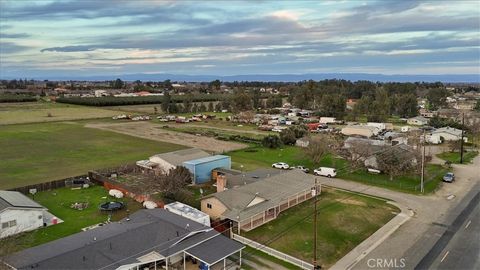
(281,165)
(325,171)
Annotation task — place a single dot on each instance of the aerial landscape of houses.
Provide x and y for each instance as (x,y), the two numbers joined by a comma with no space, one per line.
(145,135)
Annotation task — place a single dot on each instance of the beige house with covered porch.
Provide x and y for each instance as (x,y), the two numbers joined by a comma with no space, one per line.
(257,203)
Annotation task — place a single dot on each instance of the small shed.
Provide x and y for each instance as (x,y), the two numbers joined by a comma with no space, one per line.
(202,168)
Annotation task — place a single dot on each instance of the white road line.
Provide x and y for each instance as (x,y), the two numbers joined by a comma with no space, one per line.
(468,224)
(444,256)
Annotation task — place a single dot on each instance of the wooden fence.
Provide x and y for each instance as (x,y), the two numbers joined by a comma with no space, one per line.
(46,185)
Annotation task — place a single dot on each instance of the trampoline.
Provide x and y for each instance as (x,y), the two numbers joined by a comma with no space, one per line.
(111,206)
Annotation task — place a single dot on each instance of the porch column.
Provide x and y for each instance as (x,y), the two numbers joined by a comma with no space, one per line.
(238,225)
(155,265)
(166,263)
(263,217)
(224,263)
(240,261)
(184,266)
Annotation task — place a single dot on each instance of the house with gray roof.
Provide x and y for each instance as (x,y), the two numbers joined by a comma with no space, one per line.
(18,213)
(148,239)
(251,205)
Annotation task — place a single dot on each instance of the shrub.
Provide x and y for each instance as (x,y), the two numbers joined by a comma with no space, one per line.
(271,141)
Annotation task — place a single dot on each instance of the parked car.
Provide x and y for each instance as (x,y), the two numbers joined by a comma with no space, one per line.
(449,177)
(303,169)
(325,171)
(281,165)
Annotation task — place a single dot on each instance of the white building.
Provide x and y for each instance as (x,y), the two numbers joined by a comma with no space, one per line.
(188,212)
(327,120)
(360,130)
(170,160)
(447,134)
(101,93)
(18,213)
(417,121)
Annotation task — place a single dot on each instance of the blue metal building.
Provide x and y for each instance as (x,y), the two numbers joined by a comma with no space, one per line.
(202,168)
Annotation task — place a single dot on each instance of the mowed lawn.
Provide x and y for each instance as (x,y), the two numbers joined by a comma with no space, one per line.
(257,157)
(58,202)
(35,153)
(35,112)
(344,221)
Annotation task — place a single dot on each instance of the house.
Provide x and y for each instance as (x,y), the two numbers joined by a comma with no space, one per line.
(426,113)
(228,179)
(148,239)
(447,134)
(251,205)
(360,130)
(170,160)
(403,152)
(201,168)
(18,213)
(417,121)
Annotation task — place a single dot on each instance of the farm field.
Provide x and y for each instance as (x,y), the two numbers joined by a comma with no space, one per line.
(35,153)
(258,157)
(152,131)
(34,112)
(58,202)
(345,220)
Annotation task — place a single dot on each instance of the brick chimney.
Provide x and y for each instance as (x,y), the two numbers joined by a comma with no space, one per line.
(221,183)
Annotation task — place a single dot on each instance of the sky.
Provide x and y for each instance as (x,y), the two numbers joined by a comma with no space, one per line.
(85,38)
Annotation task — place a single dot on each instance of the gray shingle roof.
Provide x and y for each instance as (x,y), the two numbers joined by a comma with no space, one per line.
(119,243)
(235,180)
(178,157)
(274,190)
(16,199)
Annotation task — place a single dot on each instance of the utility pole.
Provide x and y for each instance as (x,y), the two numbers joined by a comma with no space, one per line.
(461,143)
(315,193)
(422,179)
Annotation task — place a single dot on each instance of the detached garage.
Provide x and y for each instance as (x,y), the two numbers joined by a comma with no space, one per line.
(202,168)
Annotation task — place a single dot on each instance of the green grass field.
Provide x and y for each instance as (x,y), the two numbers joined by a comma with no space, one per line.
(34,112)
(35,153)
(58,202)
(344,221)
(258,157)
(455,156)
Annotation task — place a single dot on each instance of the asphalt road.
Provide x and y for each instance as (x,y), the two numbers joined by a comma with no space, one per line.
(459,244)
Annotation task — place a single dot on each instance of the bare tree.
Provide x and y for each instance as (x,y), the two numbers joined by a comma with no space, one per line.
(317,149)
(397,163)
(454,146)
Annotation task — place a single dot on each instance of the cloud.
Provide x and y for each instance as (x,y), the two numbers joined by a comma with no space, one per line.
(73,48)
(11,48)
(18,35)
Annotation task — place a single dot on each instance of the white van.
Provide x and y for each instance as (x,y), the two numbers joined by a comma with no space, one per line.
(325,171)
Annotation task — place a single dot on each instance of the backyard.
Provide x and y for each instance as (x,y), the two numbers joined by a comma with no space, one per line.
(34,112)
(258,157)
(36,153)
(344,221)
(58,202)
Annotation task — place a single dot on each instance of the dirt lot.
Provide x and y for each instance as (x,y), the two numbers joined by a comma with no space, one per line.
(155,132)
